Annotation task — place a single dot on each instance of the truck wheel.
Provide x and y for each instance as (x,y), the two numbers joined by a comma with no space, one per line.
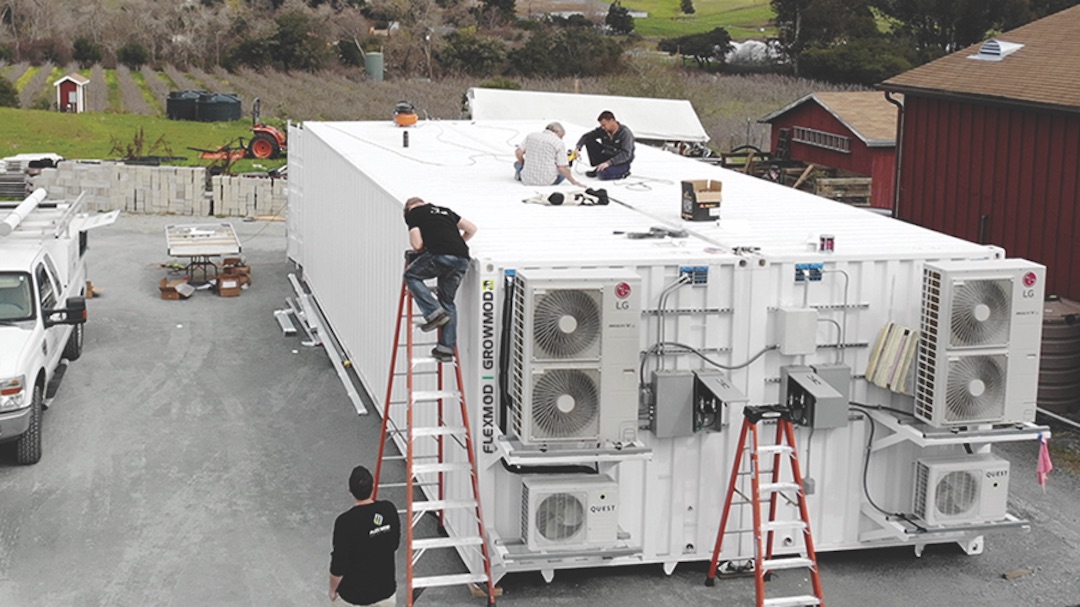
(263,146)
(28,447)
(73,349)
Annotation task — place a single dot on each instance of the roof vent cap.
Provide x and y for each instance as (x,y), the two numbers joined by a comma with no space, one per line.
(996,50)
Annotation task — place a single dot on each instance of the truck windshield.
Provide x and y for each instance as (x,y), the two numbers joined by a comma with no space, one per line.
(16,301)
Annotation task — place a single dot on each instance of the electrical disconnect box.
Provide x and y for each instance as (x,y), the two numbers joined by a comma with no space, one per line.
(714,395)
(673,410)
(796,330)
(813,399)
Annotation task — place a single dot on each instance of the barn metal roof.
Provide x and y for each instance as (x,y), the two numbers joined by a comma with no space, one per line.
(1045,72)
(467,166)
(867,114)
(656,119)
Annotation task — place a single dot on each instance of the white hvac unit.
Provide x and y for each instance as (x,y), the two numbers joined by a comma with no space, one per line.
(569,512)
(979,347)
(961,489)
(574,355)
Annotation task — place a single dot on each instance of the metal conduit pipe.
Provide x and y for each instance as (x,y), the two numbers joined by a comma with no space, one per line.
(27,206)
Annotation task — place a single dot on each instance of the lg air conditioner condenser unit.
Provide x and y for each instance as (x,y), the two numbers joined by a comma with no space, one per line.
(569,511)
(978,360)
(574,354)
(961,489)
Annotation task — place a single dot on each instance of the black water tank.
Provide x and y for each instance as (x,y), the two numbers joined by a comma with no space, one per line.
(1059,365)
(218,107)
(181,104)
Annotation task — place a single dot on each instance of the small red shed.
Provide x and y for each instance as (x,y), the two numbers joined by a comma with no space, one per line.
(850,131)
(990,145)
(70,93)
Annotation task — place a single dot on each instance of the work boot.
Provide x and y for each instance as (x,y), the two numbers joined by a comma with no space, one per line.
(436,322)
(443,357)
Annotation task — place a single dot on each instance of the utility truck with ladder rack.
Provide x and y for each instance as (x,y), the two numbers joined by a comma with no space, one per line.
(42,309)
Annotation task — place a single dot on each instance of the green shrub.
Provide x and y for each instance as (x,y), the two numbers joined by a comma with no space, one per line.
(9,95)
(133,55)
(86,52)
(467,53)
(866,61)
(618,19)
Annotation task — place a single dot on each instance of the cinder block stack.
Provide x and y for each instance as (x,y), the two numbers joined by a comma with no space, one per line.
(132,188)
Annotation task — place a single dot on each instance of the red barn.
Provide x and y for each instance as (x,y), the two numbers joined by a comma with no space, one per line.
(990,145)
(70,93)
(853,131)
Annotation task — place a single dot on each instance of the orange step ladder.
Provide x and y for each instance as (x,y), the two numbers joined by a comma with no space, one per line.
(792,491)
(446,437)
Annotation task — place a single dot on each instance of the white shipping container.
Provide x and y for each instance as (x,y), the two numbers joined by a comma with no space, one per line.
(347,185)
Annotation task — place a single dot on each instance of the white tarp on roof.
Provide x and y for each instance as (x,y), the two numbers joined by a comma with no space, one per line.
(658,119)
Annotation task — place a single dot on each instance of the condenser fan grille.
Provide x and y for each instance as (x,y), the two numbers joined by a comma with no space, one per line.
(565,404)
(566,323)
(956,493)
(559,517)
(976,389)
(981,311)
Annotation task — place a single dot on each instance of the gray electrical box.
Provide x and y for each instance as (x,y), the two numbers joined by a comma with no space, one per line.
(714,396)
(814,401)
(838,376)
(673,412)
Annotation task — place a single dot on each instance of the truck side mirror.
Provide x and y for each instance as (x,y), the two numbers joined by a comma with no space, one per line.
(76,310)
(74,313)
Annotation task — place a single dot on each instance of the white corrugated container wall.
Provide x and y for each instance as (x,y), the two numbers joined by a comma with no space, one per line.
(348,182)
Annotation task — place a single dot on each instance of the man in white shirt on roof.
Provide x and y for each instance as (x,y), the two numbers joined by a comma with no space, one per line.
(541,158)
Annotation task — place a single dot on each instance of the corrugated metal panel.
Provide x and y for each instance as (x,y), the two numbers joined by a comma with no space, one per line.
(998,175)
(357,175)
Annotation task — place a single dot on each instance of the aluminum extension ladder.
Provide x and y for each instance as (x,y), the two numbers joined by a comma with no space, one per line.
(764,563)
(446,437)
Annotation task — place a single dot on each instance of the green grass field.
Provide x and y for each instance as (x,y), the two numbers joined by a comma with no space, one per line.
(743,19)
(91,135)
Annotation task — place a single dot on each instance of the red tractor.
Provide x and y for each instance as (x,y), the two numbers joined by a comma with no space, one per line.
(266,141)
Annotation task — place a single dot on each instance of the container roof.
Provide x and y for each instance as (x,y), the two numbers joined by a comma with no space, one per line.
(468,167)
(867,114)
(655,119)
(1044,72)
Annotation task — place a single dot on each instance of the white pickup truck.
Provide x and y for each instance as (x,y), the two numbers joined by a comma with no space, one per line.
(42,309)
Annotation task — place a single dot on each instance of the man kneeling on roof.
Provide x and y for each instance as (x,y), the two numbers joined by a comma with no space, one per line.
(610,147)
(542,159)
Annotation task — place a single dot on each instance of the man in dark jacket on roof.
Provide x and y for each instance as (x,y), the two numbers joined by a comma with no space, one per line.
(610,147)
(438,235)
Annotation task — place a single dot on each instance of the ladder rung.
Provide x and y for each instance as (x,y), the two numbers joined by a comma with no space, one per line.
(404,457)
(400,485)
(439,431)
(445,542)
(440,467)
(433,395)
(432,505)
(777,525)
(774,449)
(778,487)
(792,601)
(789,563)
(427,360)
(459,579)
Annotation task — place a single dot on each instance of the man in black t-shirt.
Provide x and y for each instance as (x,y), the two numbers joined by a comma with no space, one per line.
(365,539)
(439,236)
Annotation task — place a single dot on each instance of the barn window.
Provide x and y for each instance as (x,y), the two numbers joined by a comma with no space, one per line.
(821,139)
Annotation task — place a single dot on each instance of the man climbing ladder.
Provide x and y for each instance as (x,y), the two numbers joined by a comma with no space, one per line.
(438,235)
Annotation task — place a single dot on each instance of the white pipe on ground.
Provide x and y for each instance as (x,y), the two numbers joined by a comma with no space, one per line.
(27,206)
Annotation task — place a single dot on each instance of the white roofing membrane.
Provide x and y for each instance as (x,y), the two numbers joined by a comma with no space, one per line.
(468,167)
(648,118)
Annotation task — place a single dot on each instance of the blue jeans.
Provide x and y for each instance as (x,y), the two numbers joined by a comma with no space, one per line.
(449,270)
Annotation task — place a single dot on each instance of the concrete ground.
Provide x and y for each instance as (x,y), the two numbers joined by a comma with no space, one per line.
(196,457)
